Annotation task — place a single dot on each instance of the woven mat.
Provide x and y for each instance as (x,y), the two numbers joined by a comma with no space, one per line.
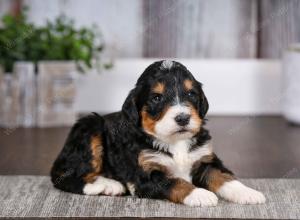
(34,196)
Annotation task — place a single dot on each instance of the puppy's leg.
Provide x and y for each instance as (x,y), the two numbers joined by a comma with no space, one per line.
(154,181)
(212,175)
(159,186)
(78,167)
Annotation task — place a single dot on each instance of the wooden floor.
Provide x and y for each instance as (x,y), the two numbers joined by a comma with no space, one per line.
(250,146)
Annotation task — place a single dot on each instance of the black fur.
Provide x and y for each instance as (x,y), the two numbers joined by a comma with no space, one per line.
(72,163)
(123,137)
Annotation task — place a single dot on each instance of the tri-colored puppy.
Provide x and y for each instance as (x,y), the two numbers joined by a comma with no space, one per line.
(156,147)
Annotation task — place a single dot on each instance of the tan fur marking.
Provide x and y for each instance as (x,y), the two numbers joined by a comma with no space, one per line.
(96,150)
(188,84)
(196,118)
(89,178)
(180,190)
(145,162)
(207,158)
(216,179)
(147,122)
(159,88)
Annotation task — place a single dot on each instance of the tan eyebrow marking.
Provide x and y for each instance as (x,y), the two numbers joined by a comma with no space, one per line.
(188,84)
(159,88)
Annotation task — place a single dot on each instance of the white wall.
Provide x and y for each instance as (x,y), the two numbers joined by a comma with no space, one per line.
(4,8)
(177,28)
(232,86)
(120,21)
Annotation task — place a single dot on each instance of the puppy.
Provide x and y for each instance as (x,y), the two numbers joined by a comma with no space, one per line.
(156,147)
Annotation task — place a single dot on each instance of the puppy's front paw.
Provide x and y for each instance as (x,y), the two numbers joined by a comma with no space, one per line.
(201,197)
(235,191)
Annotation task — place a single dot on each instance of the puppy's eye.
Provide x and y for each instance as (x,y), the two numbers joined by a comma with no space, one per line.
(191,94)
(156,98)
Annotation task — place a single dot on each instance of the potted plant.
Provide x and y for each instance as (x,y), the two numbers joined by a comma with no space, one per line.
(62,50)
(58,51)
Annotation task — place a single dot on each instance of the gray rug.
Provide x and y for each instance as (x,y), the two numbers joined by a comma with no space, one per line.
(34,196)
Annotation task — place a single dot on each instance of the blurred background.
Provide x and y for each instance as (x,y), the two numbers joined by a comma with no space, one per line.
(61,59)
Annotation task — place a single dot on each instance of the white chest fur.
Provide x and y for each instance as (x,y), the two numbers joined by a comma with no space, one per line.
(182,160)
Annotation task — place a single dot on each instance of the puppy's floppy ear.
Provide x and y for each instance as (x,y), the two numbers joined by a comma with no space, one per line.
(203,105)
(130,108)
(203,108)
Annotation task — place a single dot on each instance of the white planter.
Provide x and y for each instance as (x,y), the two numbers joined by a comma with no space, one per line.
(25,74)
(9,99)
(56,92)
(291,84)
(1,95)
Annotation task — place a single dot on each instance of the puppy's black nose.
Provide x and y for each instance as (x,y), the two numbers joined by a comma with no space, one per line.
(182,119)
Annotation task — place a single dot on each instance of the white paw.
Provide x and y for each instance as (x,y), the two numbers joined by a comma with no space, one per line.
(104,186)
(235,191)
(201,197)
(131,188)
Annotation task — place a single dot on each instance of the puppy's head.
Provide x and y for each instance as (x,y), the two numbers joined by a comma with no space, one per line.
(167,102)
